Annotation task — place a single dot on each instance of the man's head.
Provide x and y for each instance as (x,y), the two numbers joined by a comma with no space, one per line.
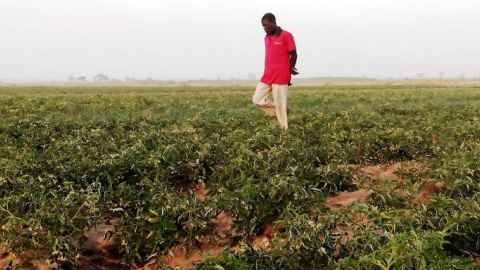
(269,23)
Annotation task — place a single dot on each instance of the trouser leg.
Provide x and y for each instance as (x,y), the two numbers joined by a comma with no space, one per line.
(280,98)
(260,99)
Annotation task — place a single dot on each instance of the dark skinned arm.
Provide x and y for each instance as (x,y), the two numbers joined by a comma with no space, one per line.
(293,61)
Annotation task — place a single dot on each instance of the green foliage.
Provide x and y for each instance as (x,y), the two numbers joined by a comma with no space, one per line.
(405,251)
(72,158)
(154,217)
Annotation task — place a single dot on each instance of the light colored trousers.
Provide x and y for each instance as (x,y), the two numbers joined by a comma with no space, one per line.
(277,107)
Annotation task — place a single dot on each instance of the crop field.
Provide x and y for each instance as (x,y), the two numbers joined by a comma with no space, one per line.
(379,176)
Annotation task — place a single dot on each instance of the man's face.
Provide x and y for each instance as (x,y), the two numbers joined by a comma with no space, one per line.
(269,27)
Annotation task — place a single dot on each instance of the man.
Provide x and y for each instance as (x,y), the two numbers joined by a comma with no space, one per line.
(280,60)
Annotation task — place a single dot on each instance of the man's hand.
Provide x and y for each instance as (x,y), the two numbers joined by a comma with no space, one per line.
(293,70)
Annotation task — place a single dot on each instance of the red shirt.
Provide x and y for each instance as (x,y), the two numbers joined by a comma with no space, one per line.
(277,58)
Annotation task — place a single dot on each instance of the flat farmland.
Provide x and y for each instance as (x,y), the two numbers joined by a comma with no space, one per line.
(370,176)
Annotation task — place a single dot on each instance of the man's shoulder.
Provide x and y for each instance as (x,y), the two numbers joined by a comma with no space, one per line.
(286,33)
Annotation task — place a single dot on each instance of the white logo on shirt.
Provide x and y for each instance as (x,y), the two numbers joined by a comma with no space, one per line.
(278,43)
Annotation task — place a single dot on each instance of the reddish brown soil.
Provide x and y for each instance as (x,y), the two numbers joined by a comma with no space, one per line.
(344,198)
(100,253)
(370,176)
(201,192)
(347,232)
(428,190)
(210,245)
(263,239)
(8,259)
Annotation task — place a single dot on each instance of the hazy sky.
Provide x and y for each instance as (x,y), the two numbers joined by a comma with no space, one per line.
(192,39)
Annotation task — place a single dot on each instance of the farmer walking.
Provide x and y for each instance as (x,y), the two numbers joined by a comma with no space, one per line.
(280,60)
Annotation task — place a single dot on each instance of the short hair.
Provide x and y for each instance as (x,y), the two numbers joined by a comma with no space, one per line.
(269,17)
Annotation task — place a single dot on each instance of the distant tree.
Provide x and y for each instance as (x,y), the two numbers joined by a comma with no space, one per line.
(71,78)
(252,77)
(100,78)
(461,76)
(420,75)
(83,79)
(441,74)
(113,80)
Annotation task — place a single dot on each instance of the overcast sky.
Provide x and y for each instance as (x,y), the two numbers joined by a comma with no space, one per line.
(210,39)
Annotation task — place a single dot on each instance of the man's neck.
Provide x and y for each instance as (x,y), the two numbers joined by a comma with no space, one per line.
(276,32)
